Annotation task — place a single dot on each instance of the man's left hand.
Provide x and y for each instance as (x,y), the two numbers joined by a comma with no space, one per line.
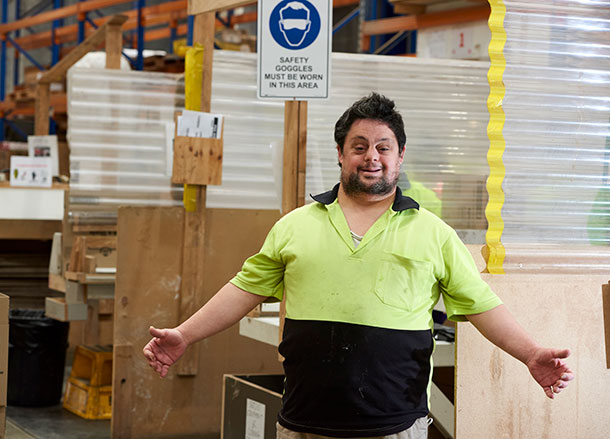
(549,369)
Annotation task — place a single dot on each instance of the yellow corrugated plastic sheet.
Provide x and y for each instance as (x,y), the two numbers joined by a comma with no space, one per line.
(493,211)
(193,78)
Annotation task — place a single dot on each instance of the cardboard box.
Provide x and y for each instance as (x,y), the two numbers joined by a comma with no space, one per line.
(3,353)
(250,404)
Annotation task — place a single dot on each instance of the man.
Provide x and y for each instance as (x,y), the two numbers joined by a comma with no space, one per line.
(361,268)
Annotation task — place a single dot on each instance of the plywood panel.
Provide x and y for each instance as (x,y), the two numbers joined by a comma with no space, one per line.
(148,283)
(495,395)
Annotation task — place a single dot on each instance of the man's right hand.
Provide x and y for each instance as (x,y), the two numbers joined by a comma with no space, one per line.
(164,349)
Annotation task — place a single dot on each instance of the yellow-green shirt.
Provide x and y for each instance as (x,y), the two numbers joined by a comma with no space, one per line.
(357,338)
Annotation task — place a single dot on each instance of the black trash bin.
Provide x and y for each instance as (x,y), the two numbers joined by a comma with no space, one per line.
(36,358)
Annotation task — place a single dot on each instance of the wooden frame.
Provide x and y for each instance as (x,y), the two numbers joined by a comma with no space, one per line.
(110,33)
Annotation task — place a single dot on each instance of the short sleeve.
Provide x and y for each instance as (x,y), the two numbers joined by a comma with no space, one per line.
(263,273)
(464,292)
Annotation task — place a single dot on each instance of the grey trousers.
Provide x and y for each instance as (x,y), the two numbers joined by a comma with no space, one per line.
(419,430)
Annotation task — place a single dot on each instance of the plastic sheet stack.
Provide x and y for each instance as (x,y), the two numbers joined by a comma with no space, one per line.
(443,104)
(120,130)
(556,211)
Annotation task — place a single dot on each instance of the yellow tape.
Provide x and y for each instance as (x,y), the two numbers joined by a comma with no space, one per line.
(189,197)
(193,78)
(493,211)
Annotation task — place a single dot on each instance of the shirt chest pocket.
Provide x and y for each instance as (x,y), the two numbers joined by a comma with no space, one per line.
(403,282)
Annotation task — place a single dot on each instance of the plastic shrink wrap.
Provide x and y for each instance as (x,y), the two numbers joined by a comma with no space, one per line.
(556,211)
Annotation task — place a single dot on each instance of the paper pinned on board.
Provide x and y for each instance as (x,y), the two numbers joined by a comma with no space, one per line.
(200,124)
(45,146)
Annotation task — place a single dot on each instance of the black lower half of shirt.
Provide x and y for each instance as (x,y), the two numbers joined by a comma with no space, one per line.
(348,380)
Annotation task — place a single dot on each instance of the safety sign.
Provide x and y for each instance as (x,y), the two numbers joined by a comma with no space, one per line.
(294,48)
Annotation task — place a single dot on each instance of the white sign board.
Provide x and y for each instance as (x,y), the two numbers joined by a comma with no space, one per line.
(294,48)
(45,146)
(31,171)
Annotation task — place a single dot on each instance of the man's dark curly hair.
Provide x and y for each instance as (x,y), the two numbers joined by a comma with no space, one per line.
(373,106)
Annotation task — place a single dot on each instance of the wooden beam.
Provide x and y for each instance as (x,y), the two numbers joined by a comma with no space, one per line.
(92,42)
(114,46)
(41,109)
(203,33)
(290,162)
(193,254)
(294,167)
(433,19)
(302,154)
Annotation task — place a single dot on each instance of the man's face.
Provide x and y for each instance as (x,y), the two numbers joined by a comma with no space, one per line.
(370,161)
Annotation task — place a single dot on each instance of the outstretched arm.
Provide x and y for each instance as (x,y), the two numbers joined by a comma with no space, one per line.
(223,310)
(547,366)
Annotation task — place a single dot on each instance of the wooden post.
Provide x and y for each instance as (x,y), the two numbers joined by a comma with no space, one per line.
(57,72)
(114,46)
(41,115)
(191,293)
(295,159)
(294,168)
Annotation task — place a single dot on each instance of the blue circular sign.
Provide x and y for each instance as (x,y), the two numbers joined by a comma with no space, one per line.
(294,24)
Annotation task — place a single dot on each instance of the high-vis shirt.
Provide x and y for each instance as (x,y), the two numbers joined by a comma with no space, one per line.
(357,339)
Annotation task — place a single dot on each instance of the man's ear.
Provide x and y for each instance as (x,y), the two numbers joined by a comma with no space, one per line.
(402,154)
(339,155)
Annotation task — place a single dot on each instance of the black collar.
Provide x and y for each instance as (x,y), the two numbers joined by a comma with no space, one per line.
(400,201)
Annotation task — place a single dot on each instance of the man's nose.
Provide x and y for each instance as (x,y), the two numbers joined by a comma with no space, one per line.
(372,154)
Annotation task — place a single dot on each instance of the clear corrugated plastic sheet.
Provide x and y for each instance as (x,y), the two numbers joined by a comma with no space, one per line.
(557,193)
(117,138)
(120,128)
(118,134)
(443,104)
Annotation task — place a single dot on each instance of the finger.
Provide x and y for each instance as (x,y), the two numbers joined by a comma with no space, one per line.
(164,371)
(148,353)
(561,353)
(548,391)
(567,376)
(159,333)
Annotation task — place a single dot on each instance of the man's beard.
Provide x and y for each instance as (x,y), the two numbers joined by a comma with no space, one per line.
(353,185)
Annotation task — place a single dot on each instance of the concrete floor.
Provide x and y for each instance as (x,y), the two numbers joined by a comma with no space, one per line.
(52,423)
